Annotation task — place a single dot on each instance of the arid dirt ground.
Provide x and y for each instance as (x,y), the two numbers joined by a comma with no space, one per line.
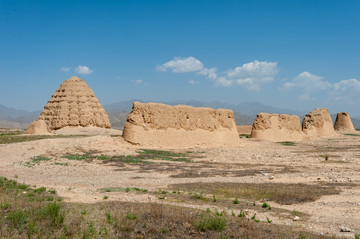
(330,165)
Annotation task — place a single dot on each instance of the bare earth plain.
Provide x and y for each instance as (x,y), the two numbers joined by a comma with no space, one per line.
(332,163)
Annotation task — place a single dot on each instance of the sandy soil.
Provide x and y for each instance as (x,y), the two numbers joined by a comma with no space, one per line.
(80,180)
(87,131)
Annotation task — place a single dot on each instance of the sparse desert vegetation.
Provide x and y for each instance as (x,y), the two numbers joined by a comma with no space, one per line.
(88,189)
(278,192)
(28,212)
(17,136)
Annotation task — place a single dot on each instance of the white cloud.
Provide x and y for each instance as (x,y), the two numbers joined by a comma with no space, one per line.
(139,82)
(222,81)
(305,96)
(209,73)
(255,69)
(251,75)
(65,69)
(188,64)
(118,77)
(307,81)
(308,85)
(84,70)
(182,65)
(346,85)
(347,91)
(193,82)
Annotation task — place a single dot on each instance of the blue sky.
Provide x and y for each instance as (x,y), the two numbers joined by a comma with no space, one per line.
(299,55)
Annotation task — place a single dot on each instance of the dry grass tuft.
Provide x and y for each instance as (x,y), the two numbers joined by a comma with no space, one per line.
(278,192)
(31,215)
(11,136)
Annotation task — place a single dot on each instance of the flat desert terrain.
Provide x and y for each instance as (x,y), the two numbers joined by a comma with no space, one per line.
(309,186)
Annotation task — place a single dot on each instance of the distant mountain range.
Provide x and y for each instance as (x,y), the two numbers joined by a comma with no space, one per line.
(249,108)
(244,113)
(13,118)
(11,114)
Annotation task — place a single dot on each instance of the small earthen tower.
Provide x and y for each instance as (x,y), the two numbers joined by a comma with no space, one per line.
(343,122)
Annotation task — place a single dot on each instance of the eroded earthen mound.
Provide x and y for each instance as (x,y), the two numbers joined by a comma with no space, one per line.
(74,104)
(153,124)
(318,123)
(275,127)
(38,127)
(343,122)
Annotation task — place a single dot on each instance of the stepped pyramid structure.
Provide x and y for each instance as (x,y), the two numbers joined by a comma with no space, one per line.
(343,122)
(73,104)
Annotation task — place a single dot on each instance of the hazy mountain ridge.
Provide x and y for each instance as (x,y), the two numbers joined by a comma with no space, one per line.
(248,108)
(244,113)
(20,116)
